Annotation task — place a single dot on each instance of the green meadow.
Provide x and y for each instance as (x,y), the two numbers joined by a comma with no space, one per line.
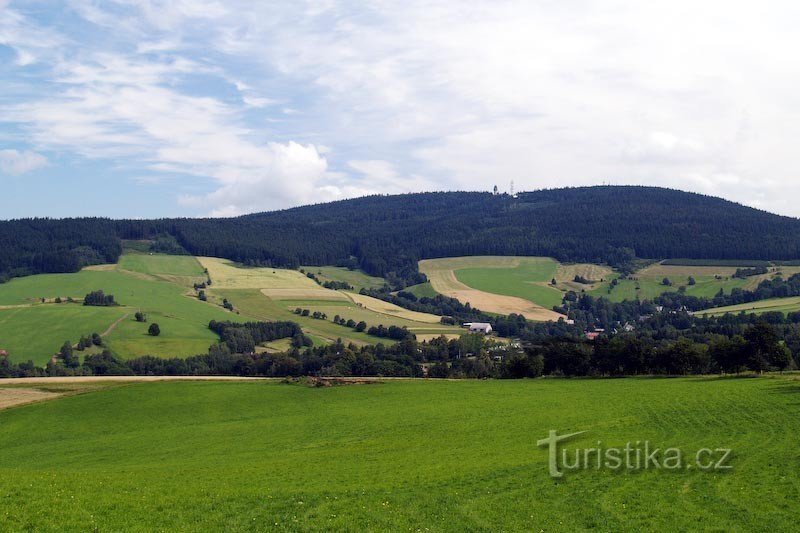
(781,305)
(29,330)
(400,455)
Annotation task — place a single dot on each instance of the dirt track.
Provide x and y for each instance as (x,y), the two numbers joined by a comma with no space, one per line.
(98,379)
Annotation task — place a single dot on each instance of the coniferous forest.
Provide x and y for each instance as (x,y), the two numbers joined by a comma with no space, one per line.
(387,235)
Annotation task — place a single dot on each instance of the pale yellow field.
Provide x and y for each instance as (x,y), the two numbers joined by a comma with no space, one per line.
(443,280)
(424,337)
(565,275)
(386,308)
(317,293)
(226,275)
(484,261)
(12,397)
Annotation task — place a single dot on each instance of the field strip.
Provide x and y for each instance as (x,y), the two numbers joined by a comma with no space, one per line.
(303,294)
(445,282)
(21,396)
(386,308)
(100,379)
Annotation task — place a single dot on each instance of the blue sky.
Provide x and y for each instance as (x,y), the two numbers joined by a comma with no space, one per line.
(143,108)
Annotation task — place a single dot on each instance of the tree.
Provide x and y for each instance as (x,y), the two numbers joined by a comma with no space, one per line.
(140,317)
(692,281)
(154,330)
(666,282)
(67,355)
(361,326)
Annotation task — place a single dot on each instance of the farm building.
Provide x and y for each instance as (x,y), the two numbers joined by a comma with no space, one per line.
(479,327)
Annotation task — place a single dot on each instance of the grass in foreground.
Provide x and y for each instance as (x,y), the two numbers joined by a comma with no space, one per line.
(402,455)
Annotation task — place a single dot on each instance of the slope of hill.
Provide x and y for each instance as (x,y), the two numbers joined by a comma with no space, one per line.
(387,235)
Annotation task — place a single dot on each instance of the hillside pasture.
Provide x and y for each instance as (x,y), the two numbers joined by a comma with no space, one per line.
(781,305)
(502,285)
(356,278)
(40,330)
(387,308)
(399,455)
(37,332)
(180,269)
(709,280)
(227,275)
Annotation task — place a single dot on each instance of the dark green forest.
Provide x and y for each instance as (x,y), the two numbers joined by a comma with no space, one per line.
(387,235)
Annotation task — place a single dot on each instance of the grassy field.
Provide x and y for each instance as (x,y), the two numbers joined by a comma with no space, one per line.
(422,290)
(782,305)
(160,286)
(37,331)
(404,455)
(356,278)
(647,283)
(498,284)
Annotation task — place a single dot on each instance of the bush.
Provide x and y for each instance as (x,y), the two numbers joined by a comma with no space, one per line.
(154,330)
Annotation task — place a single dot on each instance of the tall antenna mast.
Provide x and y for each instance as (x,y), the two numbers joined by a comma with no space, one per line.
(512,188)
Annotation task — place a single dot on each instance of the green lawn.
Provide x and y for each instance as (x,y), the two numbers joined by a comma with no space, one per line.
(405,455)
(528,280)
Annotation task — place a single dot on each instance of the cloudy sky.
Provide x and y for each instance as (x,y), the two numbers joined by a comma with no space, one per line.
(142,108)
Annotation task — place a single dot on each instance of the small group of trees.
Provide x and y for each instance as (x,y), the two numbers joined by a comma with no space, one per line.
(743,273)
(350,323)
(392,332)
(99,298)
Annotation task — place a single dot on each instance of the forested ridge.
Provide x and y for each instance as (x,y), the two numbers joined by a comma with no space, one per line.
(387,235)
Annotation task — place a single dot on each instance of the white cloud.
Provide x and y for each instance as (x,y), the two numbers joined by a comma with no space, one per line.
(14,162)
(422,94)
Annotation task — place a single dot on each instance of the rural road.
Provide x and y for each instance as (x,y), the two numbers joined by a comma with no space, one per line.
(96,379)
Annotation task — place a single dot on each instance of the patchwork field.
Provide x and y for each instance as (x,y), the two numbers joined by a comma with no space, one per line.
(648,282)
(498,284)
(160,286)
(274,294)
(401,455)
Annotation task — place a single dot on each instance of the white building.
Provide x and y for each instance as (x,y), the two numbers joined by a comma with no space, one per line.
(480,327)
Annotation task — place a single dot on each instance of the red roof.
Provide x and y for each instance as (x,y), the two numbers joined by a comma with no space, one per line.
(592,335)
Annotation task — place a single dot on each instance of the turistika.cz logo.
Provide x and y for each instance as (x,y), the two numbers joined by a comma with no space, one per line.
(638,455)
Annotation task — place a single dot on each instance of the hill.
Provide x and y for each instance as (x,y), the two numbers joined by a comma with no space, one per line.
(386,235)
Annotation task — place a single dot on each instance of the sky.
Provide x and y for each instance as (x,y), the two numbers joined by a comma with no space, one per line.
(149,108)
